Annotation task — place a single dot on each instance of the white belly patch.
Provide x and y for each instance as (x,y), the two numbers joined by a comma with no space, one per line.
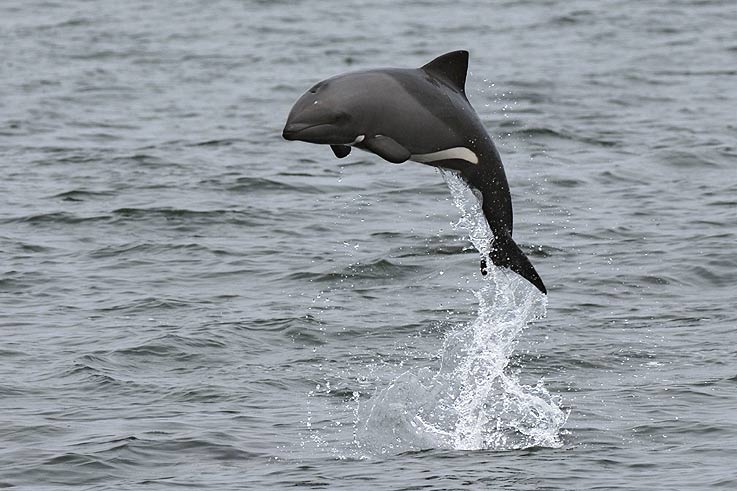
(460,153)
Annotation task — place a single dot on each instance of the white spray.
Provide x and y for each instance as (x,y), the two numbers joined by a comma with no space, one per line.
(472,401)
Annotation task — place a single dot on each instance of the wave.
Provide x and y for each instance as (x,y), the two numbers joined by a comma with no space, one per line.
(375,270)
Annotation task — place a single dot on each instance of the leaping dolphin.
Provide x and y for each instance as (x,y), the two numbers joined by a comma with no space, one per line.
(421,115)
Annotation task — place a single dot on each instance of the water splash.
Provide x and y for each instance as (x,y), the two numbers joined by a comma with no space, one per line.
(472,401)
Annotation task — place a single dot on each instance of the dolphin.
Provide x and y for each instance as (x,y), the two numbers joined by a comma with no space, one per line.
(418,114)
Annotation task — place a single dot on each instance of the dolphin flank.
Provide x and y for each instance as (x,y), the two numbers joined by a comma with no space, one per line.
(422,115)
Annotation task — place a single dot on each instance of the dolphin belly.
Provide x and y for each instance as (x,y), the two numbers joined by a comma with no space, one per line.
(456,153)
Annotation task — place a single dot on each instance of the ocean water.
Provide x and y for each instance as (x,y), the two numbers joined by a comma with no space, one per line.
(187,300)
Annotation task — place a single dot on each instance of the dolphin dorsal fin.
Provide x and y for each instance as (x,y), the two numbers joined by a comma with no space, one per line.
(451,68)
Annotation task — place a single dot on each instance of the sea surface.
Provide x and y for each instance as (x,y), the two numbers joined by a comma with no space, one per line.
(189,301)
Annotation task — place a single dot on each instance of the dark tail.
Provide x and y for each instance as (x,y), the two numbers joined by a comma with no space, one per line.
(497,207)
(506,253)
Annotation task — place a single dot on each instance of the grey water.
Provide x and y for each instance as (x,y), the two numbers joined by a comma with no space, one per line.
(187,300)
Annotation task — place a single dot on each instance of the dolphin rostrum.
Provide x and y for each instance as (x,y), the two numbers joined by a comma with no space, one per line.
(421,115)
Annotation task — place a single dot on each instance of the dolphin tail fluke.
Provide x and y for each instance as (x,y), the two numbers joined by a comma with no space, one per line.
(497,207)
(506,253)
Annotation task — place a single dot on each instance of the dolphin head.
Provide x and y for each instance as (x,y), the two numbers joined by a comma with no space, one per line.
(323,115)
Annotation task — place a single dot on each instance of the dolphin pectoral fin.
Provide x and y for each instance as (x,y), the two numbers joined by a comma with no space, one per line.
(387,148)
(506,253)
(341,151)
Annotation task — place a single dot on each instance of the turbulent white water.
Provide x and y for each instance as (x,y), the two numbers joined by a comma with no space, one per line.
(472,400)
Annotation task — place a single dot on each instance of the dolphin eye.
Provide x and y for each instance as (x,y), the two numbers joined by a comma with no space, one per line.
(342,117)
(316,87)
